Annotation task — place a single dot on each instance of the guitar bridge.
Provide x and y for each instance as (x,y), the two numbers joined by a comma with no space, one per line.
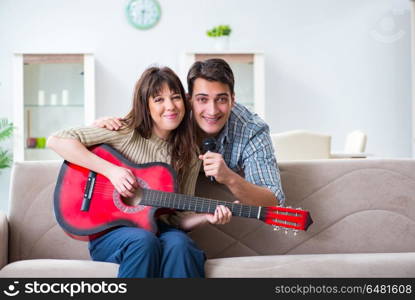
(86,202)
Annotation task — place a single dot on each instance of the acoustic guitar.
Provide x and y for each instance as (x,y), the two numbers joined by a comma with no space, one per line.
(86,204)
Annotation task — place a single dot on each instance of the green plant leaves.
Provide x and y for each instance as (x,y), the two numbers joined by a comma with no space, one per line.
(6,131)
(5,159)
(219,30)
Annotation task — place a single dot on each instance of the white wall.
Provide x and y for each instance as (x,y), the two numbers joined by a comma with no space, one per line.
(331,65)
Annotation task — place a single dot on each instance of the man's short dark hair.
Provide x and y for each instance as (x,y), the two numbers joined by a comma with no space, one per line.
(213,69)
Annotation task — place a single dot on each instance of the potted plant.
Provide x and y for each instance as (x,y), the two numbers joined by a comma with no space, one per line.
(221,35)
(6,130)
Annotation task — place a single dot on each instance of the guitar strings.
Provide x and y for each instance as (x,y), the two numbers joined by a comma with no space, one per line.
(196,202)
(244,209)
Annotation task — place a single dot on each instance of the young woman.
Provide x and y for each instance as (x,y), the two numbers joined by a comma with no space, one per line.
(158,128)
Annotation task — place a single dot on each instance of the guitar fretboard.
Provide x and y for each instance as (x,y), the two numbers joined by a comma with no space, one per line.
(197,204)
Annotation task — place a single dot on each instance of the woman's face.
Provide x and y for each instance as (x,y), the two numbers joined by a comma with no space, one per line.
(167,111)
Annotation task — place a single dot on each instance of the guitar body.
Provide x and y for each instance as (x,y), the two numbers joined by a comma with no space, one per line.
(87,205)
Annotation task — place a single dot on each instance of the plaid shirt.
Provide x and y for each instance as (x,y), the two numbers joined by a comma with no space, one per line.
(246,147)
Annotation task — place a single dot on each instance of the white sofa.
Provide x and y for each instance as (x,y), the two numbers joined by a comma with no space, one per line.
(363,212)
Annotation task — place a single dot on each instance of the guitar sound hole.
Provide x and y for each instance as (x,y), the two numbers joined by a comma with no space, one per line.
(134,200)
(130,205)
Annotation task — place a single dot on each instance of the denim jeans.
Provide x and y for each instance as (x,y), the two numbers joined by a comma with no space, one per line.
(142,254)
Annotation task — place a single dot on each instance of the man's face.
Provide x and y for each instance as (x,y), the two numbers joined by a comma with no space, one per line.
(212,103)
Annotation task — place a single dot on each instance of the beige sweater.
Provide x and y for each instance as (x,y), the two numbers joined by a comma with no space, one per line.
(137,150)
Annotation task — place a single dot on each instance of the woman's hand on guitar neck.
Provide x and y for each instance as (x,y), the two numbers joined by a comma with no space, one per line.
(123,180)
(222,215)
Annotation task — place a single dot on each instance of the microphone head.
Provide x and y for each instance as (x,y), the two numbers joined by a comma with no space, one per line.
(209,144)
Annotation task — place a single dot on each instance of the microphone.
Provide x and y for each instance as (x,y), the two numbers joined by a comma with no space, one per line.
(209,144)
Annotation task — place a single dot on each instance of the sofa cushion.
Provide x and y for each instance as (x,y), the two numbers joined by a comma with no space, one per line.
(56,268)
(315,265)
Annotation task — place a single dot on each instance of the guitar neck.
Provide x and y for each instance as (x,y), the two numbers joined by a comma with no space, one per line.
(197,204)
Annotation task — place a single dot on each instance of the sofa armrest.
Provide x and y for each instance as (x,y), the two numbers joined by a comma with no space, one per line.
(4,239)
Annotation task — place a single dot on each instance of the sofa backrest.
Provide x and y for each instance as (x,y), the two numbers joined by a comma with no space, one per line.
(358,206)
(34,232)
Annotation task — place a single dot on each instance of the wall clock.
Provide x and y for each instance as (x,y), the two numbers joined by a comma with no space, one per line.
(143,14)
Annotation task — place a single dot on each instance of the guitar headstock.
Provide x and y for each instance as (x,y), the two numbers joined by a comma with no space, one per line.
(287,217)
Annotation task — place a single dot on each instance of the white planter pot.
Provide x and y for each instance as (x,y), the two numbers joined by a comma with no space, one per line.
(221,42)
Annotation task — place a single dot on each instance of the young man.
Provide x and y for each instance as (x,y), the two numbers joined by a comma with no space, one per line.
(244,157)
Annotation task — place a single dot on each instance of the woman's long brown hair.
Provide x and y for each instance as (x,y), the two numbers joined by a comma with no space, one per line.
(181,140)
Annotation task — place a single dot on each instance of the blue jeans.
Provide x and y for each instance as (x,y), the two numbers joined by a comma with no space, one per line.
(142,254)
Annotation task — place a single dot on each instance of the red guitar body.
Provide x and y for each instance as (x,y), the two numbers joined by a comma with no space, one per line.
(85,218)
